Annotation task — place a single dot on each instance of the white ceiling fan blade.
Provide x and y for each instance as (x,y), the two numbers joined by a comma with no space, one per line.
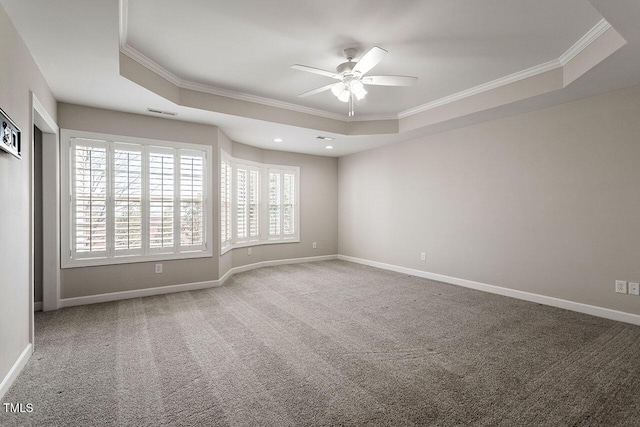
(370,60)
(390,80)
(314,91)
(315,71)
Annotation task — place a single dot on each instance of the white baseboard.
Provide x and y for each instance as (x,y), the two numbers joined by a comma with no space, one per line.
(593,310)
(37,306)
(248,267)
(15,370)
(138,293)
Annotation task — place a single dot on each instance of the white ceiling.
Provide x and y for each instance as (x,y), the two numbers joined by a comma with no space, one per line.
(452,45)
(248,46)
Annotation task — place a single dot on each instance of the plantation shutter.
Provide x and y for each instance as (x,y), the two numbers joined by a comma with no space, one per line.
(247,202)
(192,199)
(282,204)
(162,179)
(274,204)
(241,209)
(127,199)
(288,204)
(88,198)
(225,201)
(254,204)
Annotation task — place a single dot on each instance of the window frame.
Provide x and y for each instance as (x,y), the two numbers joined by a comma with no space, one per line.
(147,254)
(263,208)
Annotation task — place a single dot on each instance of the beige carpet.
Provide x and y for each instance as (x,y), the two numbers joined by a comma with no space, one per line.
(329,343)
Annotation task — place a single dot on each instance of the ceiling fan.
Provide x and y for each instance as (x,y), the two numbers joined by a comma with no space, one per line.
(352,76)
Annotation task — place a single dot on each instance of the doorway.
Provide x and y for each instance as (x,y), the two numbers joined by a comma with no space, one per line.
(45,212)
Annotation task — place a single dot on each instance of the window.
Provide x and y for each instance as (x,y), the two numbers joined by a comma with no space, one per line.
(247,202)
(258,203)
(133,200)
(282,203)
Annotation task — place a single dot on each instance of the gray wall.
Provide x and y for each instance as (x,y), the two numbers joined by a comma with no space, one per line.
(83,281)
(546,202)
(318,207)
(18,76)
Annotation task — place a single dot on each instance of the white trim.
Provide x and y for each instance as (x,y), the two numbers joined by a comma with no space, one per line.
(37,306)
(139,293)
(593,310)
(44,115)
(592,35)
(584,42)
(494,84)
(600,28)
(272,263)
(123,22)
(15,370)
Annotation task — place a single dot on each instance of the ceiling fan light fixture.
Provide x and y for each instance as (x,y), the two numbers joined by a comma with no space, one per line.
(361,94)
(337,89)
(356,87)
(344,96)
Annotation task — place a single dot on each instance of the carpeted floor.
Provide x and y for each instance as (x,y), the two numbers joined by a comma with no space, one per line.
(329,343)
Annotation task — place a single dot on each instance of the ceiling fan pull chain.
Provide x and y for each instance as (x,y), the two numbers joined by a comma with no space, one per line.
(350,104)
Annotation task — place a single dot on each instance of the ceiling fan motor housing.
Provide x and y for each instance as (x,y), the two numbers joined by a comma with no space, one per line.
(345,67)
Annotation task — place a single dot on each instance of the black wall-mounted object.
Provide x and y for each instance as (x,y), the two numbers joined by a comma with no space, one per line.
(10,136)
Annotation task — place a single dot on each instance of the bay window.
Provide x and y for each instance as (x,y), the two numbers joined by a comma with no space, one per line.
(258,203)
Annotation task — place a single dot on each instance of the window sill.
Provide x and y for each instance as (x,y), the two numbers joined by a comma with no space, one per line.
(225,249)
(94,262)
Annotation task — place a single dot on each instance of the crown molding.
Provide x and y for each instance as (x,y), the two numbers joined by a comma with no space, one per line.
(592,35)
(494,84)
(242,96)
(123,22)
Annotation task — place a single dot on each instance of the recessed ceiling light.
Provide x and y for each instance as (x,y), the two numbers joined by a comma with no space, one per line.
(278,139)
(329,147)
(325,138)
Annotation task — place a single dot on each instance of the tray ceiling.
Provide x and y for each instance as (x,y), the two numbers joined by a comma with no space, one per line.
(227,63)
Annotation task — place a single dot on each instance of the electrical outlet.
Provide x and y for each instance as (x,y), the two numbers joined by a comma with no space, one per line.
(315,245)
(634,288)
(158,268)
(423,256)
(249,251)
(621,286)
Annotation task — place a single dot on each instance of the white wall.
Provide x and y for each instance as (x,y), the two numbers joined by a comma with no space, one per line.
(546,202)
(19,76)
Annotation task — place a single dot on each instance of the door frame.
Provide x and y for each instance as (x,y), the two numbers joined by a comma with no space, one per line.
(50,209)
